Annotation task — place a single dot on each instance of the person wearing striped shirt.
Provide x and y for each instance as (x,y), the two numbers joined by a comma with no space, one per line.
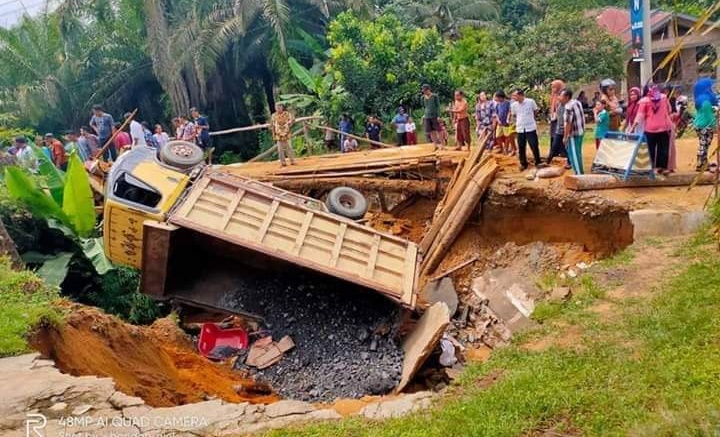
(574,119)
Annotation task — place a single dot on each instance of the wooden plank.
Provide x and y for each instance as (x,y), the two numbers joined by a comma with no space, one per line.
(303,232)
(372,257)
(231,208)
(338,244)
(608,182)
(409,273)
(197,191)
(268,219)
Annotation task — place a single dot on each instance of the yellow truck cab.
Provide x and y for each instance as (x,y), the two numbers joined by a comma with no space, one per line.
(140,187)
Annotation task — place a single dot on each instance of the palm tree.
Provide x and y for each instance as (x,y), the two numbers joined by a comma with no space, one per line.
(448,16)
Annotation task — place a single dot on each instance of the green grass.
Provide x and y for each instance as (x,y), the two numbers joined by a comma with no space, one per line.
(25,302)
(651,370)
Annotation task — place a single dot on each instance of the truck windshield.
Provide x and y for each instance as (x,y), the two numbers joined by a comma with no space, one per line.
(133,190)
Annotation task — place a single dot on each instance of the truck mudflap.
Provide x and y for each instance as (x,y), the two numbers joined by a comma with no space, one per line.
(273,222)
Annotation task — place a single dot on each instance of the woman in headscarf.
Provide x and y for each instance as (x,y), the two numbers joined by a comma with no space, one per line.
(705,120)
(632,108)
(654,113)
(609,94)
(556,87)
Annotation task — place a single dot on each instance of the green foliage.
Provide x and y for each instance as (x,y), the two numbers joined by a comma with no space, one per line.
(382,62)
(26,302)
(52,176)
(78,203)
(23,188)
(8,132)
(118,294)
(92,249)
(54,269)
(563,45)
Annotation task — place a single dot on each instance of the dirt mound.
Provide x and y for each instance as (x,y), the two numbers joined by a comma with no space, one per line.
(156,363)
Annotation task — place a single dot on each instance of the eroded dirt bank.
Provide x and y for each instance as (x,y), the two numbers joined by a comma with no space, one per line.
(156,363)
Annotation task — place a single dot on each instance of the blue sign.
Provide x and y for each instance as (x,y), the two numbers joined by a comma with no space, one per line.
(636,30)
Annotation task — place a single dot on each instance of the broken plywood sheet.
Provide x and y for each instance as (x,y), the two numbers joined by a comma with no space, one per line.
(421,342)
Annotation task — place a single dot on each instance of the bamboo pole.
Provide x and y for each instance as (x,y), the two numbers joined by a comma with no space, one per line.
(112,137)
(367,140)
(269,151)
(454,269)
(260,126)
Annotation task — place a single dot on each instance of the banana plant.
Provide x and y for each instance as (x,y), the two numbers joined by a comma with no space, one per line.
(74,215)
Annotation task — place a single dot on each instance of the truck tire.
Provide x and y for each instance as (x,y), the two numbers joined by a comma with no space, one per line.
(181,154)
(347,202)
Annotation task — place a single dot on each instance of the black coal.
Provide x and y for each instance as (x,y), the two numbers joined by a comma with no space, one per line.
(344,336)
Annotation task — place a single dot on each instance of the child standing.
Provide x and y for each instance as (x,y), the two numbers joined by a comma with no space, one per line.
(410,135)
(602,121)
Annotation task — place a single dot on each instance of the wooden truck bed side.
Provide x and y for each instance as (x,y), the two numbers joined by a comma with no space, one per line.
(248,214)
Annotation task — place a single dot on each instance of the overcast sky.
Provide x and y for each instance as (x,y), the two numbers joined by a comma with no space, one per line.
(12,10)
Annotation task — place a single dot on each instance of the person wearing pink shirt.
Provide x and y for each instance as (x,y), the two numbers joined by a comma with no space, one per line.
(654,114)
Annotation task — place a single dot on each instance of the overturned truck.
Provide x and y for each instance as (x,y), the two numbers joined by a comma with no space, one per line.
(178,226)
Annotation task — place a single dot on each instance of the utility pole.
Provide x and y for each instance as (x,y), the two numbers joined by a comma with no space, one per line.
(646,66)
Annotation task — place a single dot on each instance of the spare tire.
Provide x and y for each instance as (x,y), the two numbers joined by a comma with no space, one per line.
(181,154)
(347,202)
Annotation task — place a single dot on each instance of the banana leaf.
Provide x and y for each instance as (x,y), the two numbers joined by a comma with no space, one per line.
(54,177)
(302,74)
(78,201)
(93,250)
(22,188)
(54,270)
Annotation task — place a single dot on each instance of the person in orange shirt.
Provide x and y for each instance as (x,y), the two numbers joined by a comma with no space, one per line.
(461,119)
(57,151)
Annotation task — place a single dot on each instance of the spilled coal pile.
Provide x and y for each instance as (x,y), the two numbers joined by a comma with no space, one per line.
(345,336)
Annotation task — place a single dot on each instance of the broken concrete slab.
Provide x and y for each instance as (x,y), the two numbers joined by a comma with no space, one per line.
(397,407)
(560,294)
(506,296)
(665,222)
(421,342)
(287,408)
(441,291)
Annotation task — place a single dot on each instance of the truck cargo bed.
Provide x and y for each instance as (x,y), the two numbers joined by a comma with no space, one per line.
(272,222)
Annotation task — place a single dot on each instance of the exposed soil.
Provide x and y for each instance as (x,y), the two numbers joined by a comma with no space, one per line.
(156,363)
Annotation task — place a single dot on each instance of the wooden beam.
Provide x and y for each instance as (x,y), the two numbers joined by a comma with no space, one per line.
(427,188)
(608,182)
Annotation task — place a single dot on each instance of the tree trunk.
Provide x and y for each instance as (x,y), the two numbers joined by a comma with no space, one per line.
(8,248)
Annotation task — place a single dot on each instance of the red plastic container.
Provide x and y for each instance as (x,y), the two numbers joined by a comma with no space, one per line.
(212,336)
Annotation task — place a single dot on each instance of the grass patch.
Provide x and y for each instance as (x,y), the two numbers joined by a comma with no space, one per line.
(26,302)
(653,371)
(622,258)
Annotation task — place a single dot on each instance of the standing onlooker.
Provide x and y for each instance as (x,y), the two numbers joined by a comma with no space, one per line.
(574,120)
(281,122)
(24,154)
(654,112)
(501,120)
(178,128)
(557,130)
(612,103)
(410,132)
(122,139)
(186,129)
(330,139)
(203,128)
(57,151)
(346,127)
(582,98)
(137,134)
(431,105)
(102,124)
(461,118)
(399,121)
(161,137)
(523,109)
(705,121)
(602,122)
(483,118)
(632,107)
(149,138)
(556,87)
(71,145)
(89,141)
(373,128)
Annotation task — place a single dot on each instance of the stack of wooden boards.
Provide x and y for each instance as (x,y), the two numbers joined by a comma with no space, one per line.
(466,187)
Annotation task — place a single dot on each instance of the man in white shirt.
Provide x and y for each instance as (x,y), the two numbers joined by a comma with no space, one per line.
(524,109)
(137,133)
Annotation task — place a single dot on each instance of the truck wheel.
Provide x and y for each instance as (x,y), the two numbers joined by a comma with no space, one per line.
(181,154)
(347,202)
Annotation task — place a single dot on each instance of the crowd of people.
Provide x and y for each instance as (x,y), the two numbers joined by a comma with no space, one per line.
(104,138)
(510,123)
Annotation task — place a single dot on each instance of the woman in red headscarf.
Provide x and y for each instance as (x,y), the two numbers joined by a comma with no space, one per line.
(634,96)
